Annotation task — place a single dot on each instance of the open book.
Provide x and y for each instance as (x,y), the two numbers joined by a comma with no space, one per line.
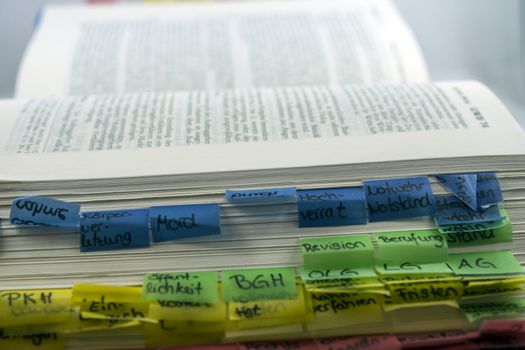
(135,107)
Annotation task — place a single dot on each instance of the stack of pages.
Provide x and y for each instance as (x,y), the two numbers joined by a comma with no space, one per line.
(244,172)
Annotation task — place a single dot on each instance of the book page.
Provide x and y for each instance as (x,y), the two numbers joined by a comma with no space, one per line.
(148,134)
(79,50)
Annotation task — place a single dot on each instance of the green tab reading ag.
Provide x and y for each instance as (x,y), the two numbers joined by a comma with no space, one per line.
(198,287)
(500,262)
(258,284)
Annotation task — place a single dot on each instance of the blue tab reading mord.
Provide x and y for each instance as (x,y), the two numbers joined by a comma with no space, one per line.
(392,199)
(462,186)
(184,221)
(331,207)
(450,211)
(488,191)
(114,229)
(261,195)
(44,211)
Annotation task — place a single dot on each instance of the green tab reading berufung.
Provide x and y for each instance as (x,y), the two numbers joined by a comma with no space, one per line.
(337,252)
(198,287)
(258,284)
(417,246)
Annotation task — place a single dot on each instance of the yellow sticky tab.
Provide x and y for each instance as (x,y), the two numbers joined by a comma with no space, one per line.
(30,341)
(111,303)
(269,309)
(189,311)
(31,307)
(418,292)
(171,334)
(480,289)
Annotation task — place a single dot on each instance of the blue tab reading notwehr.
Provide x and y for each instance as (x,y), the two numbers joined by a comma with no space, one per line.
(114,229)
(43,211)
(261,195)
(488,191)
(450,211)
(331,207)
(183,221)
(392,199)
(462,186)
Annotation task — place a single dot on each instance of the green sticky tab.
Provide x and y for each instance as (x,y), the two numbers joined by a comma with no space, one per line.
(197,287)
(506,308)
(337,252)
(335,274)
(500,262)
(465,235)
(418,246)
(407,268)
(258,284)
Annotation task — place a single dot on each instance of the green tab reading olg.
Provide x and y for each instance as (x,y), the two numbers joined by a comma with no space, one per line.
(258,284)
(198,287)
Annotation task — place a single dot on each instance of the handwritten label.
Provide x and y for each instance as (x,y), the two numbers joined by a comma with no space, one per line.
(30,340)
(424,292)
(112,303)
(279,345)
(184,221)
(500,262)
(258,284)
(418,246)
(492,287)
(488,191)
(114,229)
(269,309)
(189,311)
(409,268)
(198,287)
(398,198)
(479,234)
(328,275)
(337,252)
(493,309)
(44,211)
(450,211)
(463,186)
(30,307)
(335,303)
(370,342)
(281,194)
(331,207)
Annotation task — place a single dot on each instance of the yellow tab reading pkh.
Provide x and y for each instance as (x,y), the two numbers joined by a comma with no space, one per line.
(34,307)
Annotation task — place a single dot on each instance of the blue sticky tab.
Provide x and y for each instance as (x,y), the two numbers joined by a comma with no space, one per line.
(462,186)
(488,191)
(183,221)
(44,211)
(331,207)
(114,229)
(450,211)
(392,199)
(280,194)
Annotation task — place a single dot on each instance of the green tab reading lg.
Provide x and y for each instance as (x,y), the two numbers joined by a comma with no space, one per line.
(198,287)
(258,284)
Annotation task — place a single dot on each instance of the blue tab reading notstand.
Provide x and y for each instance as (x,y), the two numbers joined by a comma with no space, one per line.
(114,229)
(281,194)
(450,211)
(393,199)
(43,211)
(331,207)
(462,186)
(488,191)
(183,221)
